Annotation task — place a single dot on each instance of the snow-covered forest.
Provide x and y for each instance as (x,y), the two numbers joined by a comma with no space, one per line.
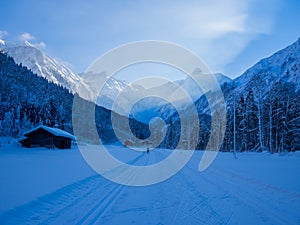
(265,102)
(28,100)
(262,107)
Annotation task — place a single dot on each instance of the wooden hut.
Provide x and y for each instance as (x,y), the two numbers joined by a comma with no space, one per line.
(43,136)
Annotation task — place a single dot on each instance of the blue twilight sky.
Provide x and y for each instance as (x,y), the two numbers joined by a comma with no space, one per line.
(229,35)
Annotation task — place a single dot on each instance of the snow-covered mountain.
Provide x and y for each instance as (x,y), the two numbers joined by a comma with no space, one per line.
(45,66)
(109,91)
(154,106)
(193,91)
(28,100)
(129,95)
(281,67)
(284,65)
(55,71)
(265,100)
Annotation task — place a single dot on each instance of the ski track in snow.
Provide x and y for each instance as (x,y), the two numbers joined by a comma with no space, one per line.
(59,207)
(255,197)
(95,214)
(259,200)
(218,196)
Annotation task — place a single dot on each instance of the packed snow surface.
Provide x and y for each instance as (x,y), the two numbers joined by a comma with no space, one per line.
(40,186)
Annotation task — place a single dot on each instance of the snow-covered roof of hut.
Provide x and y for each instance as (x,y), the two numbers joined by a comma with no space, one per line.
(55,131)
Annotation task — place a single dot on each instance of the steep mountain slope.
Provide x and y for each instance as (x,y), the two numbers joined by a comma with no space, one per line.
(27,100)
(189,86)
(263,77)
(265,101)
(56,72)
(109,92)
(192,90)
(148,107)
(284,65)
(45,66)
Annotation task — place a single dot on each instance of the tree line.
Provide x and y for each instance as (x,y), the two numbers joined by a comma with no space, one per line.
(28,100)
(256,120)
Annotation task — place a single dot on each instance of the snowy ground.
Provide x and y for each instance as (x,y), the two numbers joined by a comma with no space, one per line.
(40,186)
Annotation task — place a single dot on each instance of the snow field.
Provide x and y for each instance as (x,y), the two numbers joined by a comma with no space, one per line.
(42,186)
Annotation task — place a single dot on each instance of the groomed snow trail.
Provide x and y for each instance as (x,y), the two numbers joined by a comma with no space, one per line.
(220,195)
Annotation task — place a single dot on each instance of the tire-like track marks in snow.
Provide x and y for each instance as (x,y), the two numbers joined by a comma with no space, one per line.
(252,195)
(189,197)
(83,202)
(174,201)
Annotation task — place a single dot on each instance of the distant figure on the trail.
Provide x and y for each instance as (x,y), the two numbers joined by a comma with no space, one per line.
(148,150)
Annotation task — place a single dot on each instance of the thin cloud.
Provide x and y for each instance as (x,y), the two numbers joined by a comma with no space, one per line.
(3,33)
(26,37)
(218,31)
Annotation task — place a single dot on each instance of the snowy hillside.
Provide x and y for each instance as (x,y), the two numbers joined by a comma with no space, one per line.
(189,86)
(151,107)
(148,107)
(109,92)
(55,71)
(281,68)
(33,101)
(266,102)
(266,98)
(284,65)
(193,91)
(45,66)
